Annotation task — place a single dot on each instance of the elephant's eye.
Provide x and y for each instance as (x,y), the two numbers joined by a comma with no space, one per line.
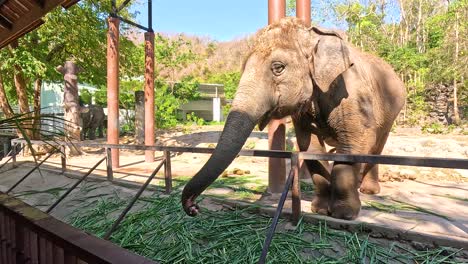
(277,67)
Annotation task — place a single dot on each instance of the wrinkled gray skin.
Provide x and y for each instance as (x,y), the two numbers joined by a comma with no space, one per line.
(92,120)
(334,93)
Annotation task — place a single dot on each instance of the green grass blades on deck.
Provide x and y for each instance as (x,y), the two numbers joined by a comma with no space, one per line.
(161,231)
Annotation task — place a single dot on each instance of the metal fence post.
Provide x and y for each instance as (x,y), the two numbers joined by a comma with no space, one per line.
(110,173)
(296,189)
(168,171)
(63,158)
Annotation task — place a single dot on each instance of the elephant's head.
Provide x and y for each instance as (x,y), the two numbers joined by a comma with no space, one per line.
(287,62)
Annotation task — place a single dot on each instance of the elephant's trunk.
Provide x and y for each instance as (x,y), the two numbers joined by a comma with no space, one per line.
(237,129)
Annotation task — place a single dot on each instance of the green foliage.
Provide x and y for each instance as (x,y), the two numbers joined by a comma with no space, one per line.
(166,106)
(173,54)
(230,80)
(433,128)
(437,128)
(194,119)
(100,97)
(85,96)
(187,89)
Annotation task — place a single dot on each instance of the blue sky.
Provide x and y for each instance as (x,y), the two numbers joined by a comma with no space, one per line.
(224,20)
(219,19)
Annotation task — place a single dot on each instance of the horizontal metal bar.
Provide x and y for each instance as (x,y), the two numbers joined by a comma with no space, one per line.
(393,160)
(133,23)
(244,152)
(375,159)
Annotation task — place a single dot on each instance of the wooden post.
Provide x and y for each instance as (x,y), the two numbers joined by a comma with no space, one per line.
(13,153)
(276,128)
(113,87)
(63,158)
(149,95)
(168,171)
(110,173)
(303,11)
(140,117)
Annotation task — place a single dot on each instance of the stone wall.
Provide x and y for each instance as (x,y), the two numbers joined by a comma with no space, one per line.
(440,101)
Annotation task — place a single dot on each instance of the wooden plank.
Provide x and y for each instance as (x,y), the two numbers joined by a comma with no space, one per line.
(24,23)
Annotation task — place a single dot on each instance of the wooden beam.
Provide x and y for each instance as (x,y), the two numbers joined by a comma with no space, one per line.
(28,22)
(5,22)
(68,3)
(41,3)
(20,33)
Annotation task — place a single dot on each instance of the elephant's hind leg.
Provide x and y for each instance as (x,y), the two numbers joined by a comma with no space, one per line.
(370,180)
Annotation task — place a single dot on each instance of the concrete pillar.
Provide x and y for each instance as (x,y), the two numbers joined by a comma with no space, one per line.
(113,87)
(149,94)
(217,109)
(303,11)
(140,117)
(276,128)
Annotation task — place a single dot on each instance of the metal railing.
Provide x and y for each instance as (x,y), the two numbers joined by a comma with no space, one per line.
(292,181)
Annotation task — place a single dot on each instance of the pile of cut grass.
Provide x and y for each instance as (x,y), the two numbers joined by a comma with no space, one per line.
(161,231)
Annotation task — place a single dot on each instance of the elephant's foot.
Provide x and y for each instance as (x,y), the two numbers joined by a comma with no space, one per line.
(369,186)
(347,208)
(320,204)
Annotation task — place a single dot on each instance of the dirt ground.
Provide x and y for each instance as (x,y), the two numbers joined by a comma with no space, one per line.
(427,201)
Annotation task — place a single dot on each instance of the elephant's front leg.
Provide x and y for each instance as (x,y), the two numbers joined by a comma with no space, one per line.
(345,203)
(318,169)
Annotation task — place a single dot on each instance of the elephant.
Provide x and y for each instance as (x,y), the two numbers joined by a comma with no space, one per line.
(335,94)
(92,118)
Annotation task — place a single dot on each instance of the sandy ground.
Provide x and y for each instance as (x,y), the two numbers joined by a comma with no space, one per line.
(425,200)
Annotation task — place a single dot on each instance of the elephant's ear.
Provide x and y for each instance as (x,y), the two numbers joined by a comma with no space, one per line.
(330,59)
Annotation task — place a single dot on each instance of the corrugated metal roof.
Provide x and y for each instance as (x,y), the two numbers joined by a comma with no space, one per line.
(18,17)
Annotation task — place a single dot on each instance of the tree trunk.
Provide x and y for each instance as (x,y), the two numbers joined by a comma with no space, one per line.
(418,28)
(37,108)
(21,92)
(4,104)
(71,103)
(456,115)
(403,24)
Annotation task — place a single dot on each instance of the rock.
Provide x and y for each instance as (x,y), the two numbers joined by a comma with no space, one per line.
(289,226)
(224,174)
(240,172)
(247,172)
(409,148)
(421,246)
(408,174)
(237,171)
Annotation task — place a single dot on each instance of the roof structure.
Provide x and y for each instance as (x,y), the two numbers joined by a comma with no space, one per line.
(18,17)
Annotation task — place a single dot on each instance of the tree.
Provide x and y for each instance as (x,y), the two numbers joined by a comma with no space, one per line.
(77,34)
(172,55)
